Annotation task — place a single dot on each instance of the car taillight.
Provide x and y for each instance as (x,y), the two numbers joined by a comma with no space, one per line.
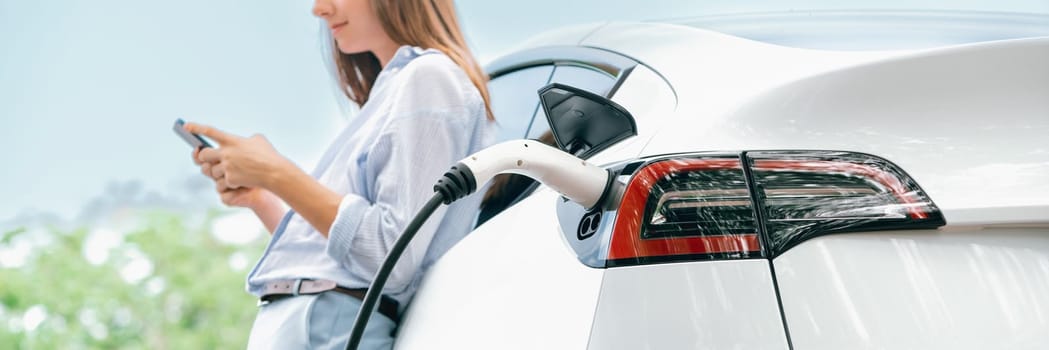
(685,209)
(810,193)
(702,207)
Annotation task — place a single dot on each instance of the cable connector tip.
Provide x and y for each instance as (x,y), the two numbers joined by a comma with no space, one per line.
(457,183)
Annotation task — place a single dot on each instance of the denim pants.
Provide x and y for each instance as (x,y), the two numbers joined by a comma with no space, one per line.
(317,321)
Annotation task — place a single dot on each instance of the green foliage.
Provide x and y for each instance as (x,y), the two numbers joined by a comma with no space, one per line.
(6,237)
(201,305)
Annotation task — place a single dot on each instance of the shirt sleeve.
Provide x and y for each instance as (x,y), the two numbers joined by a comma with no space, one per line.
(414,150)
(403,165)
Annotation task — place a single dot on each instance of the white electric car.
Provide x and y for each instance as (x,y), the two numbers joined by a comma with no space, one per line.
(815,180)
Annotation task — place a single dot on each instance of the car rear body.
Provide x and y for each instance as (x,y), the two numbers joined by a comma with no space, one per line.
(961,125)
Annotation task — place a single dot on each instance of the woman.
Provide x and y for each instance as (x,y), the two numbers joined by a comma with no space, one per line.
(424,106)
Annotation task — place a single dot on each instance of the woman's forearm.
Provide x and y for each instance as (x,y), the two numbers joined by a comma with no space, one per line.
(270,212)
(311,200)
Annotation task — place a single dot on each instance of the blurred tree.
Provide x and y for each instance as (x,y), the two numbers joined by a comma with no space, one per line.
(163,286)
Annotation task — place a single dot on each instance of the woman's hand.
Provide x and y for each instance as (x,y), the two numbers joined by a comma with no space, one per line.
(266,205)
(253,163)
(240,161)
(244,197)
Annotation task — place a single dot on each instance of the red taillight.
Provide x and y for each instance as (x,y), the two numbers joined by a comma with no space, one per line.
(811,193)
(702,207)
(890,182)
(723,177)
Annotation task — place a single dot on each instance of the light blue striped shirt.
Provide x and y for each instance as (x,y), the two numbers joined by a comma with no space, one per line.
(423,115)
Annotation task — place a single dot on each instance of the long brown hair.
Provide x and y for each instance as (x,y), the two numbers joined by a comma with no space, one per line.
(430,24)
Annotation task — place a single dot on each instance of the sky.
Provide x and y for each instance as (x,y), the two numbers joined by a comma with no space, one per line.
(89,89)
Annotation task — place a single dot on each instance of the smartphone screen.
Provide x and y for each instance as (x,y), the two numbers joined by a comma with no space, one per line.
(192,139)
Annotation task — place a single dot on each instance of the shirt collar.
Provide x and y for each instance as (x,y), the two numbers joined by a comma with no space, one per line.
(405,54)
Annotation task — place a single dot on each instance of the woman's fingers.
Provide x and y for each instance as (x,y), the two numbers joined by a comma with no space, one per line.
(237,197)
(215,134)
(222,186)
(222,182)
(228,197)
(205,168)
(209,155)
(218,171)
(196,160)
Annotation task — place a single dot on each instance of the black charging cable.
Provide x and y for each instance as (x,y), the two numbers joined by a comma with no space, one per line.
(457,183)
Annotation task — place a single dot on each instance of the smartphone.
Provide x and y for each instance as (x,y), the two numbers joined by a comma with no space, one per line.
(192,139)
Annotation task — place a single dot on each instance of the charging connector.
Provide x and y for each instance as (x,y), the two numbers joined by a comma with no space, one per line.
(573,178)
